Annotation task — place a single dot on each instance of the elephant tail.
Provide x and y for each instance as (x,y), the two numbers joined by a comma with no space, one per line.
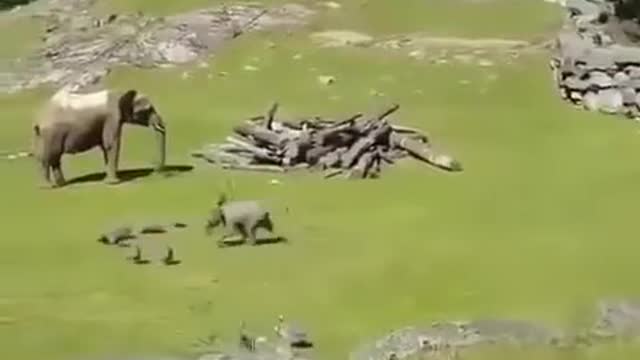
(36,130)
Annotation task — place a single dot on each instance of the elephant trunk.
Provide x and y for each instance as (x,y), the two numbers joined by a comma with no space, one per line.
(161,136)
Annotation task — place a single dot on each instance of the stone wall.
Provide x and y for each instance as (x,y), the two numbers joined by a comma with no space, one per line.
(592,70)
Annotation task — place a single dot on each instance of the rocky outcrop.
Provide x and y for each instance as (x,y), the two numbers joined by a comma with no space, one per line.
(590,69)
(79,48)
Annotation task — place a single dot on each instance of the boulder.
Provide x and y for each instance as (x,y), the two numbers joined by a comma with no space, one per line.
(598,59)
(599,80)
(625,55)
(620,78)
(573,83)
(628,96)
(583,7)
(590,101)
(610,101)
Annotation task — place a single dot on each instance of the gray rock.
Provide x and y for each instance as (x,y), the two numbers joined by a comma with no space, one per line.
(610,101)
(590,101)
(628,96)
(573,83)
(620,78)
(600,80)
(583,7)
(598,59)
(619,318)
(626,55)
(633,71)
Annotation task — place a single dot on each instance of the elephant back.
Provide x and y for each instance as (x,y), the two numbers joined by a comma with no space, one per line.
(240,210)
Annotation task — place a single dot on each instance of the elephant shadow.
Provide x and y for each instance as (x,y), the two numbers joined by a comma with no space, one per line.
(259,242)
(132,174)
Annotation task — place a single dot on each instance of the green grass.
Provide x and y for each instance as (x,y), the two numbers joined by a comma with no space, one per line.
(17,37)
(540,224)
(517,18)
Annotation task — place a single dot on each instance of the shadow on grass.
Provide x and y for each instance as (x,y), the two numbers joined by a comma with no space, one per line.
(259,242)
(132,174)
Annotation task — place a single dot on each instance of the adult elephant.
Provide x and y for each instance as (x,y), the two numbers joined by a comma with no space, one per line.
(71,123)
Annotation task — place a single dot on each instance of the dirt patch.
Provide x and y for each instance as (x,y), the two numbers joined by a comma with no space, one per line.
(79,48)
(338,38)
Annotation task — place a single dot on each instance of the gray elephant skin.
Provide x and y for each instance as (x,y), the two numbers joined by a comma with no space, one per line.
(72,123)
(242,218)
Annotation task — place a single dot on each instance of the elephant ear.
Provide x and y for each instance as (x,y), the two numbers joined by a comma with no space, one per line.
(126,105)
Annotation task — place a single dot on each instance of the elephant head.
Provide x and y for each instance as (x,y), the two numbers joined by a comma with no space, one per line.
(137,109)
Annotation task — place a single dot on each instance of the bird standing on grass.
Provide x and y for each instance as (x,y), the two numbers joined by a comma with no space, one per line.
(246,341)
(170,259)
(137,258)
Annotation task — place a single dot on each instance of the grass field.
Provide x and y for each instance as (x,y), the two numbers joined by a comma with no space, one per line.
(541,224)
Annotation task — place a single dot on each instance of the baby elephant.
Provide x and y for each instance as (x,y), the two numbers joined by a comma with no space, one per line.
(239,218)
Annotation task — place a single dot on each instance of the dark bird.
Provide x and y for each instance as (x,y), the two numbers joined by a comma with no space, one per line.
(137,258)
(170,258)
(247,341)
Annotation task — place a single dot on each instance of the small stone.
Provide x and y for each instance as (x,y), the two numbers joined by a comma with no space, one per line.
(250,68)
(326,79)
(271,45)
(297,57)
(374,92)
(185,75)
(417,54)
(12,157)
(275,182)
(203,64)
(223,73)
(485,63)
(332,5)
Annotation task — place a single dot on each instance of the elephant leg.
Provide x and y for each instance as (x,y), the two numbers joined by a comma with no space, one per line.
(58,176)
(112,157)
(105,156)
(228,235)
(44,173)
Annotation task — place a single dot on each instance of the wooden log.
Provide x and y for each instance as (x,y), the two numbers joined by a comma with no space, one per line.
(325,136)
(261,135)
(332,159)
(410,131)
(363,125)
(333,173)
(254,167)
(315,153)
(424,152)
(379,135)
(361,169)
(259,153)
(271,114)
(223,157)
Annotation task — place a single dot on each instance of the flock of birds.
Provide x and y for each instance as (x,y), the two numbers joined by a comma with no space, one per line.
(294,335)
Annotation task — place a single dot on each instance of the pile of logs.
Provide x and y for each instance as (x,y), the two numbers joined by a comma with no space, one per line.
(356,147)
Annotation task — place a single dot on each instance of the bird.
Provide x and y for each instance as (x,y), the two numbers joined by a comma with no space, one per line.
(246,341)
(170,259)
(295,336)
(137,258)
